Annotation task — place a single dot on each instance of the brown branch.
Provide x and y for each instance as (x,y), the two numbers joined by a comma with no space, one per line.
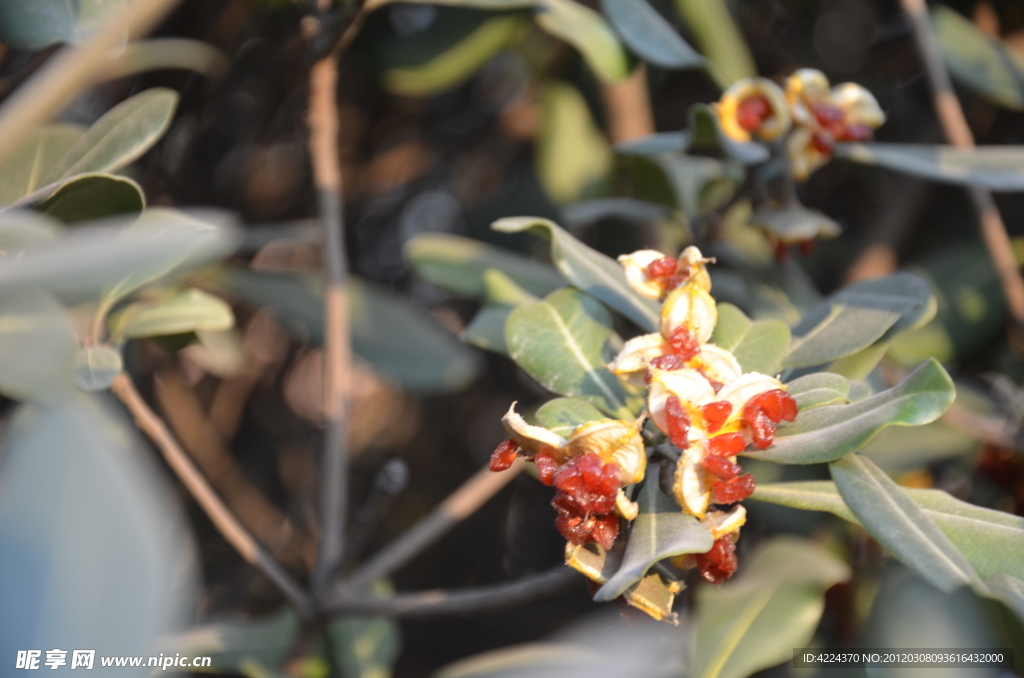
(469,601)
(323,149)
(203,493)
(954,124)
(627,106)
(459,505)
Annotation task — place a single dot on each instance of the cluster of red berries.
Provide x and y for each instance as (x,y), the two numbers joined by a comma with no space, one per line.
(720,562)
(766,410)
(752,111)
(835,128)
(666,269)
(683,347)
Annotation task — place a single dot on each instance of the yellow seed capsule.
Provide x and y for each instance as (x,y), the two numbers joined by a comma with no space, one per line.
(615,442)
(754,107)
(691,487)
(635,267)
(534,439)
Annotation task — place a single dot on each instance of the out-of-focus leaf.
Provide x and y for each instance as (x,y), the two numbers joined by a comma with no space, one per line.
(365,647)
(699,184)
(190,310)
(659,531)
(456,64)
(900,449)
(22,228)
(1010,590)
(718,38)
(572,154)
(819,388)
(110,259)
(993,541)
(733,324)
(773,605)
(91,540)
(168,53)
(649,35)
(977,61)
(501,290)
(706,136)
(588,32)
(96,367)
(762,347)
(795,223)
(857,316)
(37,347)
(487,329)
(655,144)
(31,25)
(588,269)
(458,265)
(474,4)
(832,431)
(899,524)
(999,168)
(562,415)
(587,212)
(123,134)
(33,159)
(255,647)
(87,196)
(563,343)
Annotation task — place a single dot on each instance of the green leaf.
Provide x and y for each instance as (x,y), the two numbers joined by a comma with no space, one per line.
(588,269)
(87,517)
(458,265)
(123,134)
(189,310)
(655,144)
(795,223)
(89,196)
(859,365)
(819,388)
(649,35)
(364,647)
(900,525)
(22,228)
(859,315)
(830,432)
(474,4)
(699,184)
(31,25)
(501,290)
(37,347)
(659,531)
(562,415)
(96,367)
(977,61)
(763,346)
(1010,590)
(572,155)
(630,210)
(250,647)
(773,605)
(993,541)
(733,324)
(719,38)
(999,168)
(33,159)
(487,329)
(901,449)
(588,32)
(563,343)
(456,64)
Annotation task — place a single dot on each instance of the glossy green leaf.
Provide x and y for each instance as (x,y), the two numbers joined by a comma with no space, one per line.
(257,646)
(859,315)
(96,367)
(993,541)
(999,168)
(37,347)
(588,32)
(900,525)
(830,432)
(85,197)
(190,310)
(572,154)
(33,158)
(649,35)
(977,61)
(795,223)
(123,134)
(458,264)
(588,269)
(733,324)
(87,521)
(456,64)
(819,388)
(562,415)
(659,531)
(487,329)
(771,606)
(563,342)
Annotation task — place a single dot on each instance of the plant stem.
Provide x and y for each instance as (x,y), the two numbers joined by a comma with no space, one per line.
(459,505)
(221,516)
(954,124)
(468,601)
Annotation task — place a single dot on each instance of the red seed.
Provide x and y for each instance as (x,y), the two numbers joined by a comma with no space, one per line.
(590,467)
(781,252)
(727,445)
(761,425)
(715,414)
(601,504)
(770,403)
(568,478)
(611,478)
(721,467)
(827,115)
(546,468)
(855,133)
(752,111)
(789,409)
(678,423)
(662,268)
(675,281)
(575,528)
(566,503)
(683,343)
(605,531)
(732,491)
(504,455)
(720,562)
(669,361)
(807,247)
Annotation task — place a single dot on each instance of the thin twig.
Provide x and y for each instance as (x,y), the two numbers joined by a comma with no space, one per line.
(71,71)
(203,493)
(459,505)
(958,133)
(468,601)
(323,148)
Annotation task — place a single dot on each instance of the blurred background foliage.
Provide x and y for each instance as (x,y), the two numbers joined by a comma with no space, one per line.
(452,117)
